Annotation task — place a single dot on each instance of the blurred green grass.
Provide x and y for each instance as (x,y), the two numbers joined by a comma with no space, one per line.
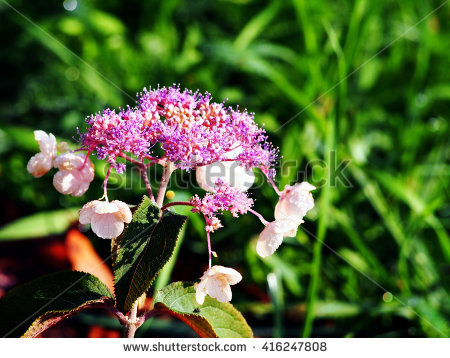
(289,62)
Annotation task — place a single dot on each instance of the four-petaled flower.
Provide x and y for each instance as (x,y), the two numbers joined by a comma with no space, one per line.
(216,282)
(75,174)
(106,218)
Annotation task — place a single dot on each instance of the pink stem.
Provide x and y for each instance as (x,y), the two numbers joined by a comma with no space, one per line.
(126,157)
(209,248)
(274,186)
(146,181)
(259,216)
(173,203)
(86,158)
(105,183)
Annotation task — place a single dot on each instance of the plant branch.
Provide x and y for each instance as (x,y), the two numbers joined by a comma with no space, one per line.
(168,169)
(132,322)
(143,168)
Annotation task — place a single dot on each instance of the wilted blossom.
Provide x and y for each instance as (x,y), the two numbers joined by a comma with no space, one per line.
(106,218)
(42,162)
(295,200)
(216,282)
(231,172)
(272,236)
(76,172)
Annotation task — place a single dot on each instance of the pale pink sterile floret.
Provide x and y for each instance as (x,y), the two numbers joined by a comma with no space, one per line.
(232,173)
(107,219)
(42,162)
(75,174)
(295,200)
(216,282)
(272,236)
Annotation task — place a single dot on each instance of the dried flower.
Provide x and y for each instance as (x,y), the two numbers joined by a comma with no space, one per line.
(106,218)
(42,162)
(216,282)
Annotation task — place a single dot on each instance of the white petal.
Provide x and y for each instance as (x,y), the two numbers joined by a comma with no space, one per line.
(200,291)
(103,207)
(65,182)
(219,289)
(306,186)
(82,188)
(39,164)
(68,161)
(106,226)
(231,173)
(231,275)
(269,240)
(86,212)
(47,142)
(87,172)
(124,211)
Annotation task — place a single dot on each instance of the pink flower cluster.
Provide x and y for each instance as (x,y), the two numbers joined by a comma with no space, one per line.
(192,131)
(225,198)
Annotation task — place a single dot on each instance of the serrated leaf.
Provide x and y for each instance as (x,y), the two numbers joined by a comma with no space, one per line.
(212,319)
(142,251)
(29,309)
(39,225)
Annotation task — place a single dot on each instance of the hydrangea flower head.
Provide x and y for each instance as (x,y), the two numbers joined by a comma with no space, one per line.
(197,131)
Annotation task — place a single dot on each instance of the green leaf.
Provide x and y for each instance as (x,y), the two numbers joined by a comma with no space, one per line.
(142,251)
(29,309)
(39,225)
(212,319)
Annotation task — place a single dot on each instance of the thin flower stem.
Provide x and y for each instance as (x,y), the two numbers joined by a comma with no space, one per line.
(146,181)
(86,158)
(259,216)
(274,186)
(173,203)
(126,157)
(168,170)
(105,184)
(209,248)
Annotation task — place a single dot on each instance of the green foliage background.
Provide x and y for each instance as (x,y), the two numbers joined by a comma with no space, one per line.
(360,82)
